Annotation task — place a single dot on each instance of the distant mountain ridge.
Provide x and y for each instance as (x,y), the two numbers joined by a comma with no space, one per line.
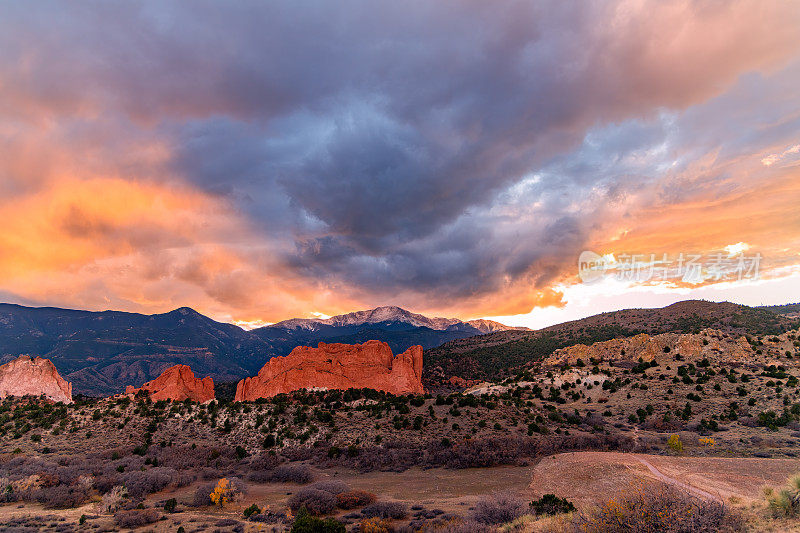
(396,326)
(102,352)
(789,310)
(388,314)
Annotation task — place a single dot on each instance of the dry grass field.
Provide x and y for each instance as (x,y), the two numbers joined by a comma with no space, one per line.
(592,477)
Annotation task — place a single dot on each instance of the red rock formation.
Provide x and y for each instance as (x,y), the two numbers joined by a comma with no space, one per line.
(337,366)
(461,383)
(34,377)
(457,381)
(177,383)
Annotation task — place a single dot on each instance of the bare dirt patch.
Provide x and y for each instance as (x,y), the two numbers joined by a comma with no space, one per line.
(592,477)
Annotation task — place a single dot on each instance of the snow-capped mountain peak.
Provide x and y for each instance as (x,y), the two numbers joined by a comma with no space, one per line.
(389,313)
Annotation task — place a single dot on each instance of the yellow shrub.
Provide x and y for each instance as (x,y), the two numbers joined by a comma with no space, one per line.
(708,441)
(675,444)
(222,492)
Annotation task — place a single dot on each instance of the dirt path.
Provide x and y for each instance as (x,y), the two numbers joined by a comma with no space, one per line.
(590,478)
(695,491)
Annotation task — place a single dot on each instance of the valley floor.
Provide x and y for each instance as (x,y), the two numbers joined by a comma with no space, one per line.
(585,478)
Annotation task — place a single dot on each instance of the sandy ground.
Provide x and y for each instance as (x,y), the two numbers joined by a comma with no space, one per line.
(591,477)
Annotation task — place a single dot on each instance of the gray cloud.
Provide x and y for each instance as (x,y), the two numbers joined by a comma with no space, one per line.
(392,145)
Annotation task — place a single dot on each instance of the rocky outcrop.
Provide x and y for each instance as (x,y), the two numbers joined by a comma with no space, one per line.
(25,376)
(664,348)
(457,381)
(461,383)
(337,366)
(177,383)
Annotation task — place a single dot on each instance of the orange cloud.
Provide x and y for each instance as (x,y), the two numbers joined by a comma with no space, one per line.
(763,214)
(759,211)
(72,222)
(678,53)
(112,243)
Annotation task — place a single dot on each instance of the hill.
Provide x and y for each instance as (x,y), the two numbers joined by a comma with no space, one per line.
(500,353)
(789,310)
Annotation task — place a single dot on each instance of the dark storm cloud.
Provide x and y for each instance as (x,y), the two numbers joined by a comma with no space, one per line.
(444,147)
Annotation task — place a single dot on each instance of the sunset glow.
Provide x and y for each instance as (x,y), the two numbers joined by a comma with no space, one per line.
(452,158)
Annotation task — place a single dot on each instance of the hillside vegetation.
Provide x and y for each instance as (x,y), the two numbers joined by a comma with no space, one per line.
(502,353)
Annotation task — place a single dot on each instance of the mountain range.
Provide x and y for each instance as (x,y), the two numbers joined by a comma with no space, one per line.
(102,352)
(393,314)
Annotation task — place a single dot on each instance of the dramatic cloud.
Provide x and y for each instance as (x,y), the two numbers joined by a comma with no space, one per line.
(259,160)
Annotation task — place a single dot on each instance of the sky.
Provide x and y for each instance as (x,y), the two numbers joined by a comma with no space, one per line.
(264,160)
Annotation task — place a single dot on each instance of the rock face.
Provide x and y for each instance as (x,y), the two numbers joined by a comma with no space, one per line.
(33,377)
(177,383)
(461,383)
(709,343)
(337,366)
